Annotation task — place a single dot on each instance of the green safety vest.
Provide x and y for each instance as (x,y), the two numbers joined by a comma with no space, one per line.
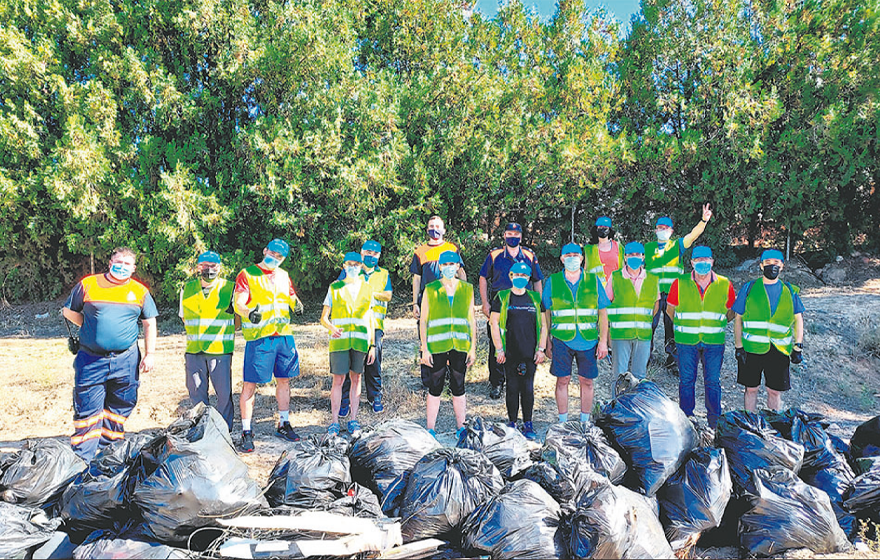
(350,315)
(274,301)
(210,328)
(701,319)
(378,279)
(629,316)
(449,326)
(760,329)
(663,262)
(504,296)
(567,315)
(594,261)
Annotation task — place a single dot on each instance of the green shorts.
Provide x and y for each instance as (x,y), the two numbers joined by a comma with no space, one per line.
(345,361)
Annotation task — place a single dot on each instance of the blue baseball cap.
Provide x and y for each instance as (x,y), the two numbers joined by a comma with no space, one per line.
(352,256)
(372,246)
(449,257)
(513,226)
(772,254)
(571,248)
(521,268)
(634,247)
(701,252)
(665,221)
(603,221)
(209,257)
(279,246)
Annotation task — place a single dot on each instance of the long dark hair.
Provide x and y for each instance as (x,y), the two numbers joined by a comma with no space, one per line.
(594,234)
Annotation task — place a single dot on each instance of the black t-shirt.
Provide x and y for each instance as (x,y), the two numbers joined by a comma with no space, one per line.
(522,336)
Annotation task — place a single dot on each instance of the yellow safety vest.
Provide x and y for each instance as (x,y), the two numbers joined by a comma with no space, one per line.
(664,262)
(567,315)
(629,316)
(594,261)
(210,328)
(449,326)
(701,319)
(352,316)
(760,329)
(378,279)
(274,301)
(504,297)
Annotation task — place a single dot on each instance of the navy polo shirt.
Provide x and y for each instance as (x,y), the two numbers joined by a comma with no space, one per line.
(496,269)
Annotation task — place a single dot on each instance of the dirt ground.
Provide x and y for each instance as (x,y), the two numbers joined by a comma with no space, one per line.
(837,379)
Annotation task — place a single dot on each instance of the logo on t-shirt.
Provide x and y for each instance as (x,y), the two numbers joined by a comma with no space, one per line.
(132,296)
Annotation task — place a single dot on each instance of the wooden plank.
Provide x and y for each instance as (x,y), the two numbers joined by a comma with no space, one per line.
(415,549)
(319,521)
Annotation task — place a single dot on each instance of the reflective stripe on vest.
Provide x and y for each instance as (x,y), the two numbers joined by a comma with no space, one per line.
(274,300)
(701,319)
(352,315)
(760,330)
(629,316)
(448,327)
(210,328)
(593,263)
(567,315)
(504,296)
(378,281)
(664,263)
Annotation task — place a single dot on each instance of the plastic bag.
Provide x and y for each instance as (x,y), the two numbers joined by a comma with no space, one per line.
(198,479)
(653,432)
(787,514)
(560,487)
(444,488)
(382,458)
(865,464)
(615,522)
(835,481)
(23,529)
(694,499)
(865,441)
(356,501)
(124,548)
(522,521)
(311,472)
(38,473)
(863,495)
(751,443)
(576,447)
(506,447)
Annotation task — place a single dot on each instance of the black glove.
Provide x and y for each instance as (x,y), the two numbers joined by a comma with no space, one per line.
(741,356)
(671,348)
(73,344)
(255,316)
(797,356)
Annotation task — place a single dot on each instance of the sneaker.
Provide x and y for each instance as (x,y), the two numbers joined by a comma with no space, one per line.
(333,429)
(495,392)
(285,431)
(511,425)
(354,428)
(529,431)
(377,405)
(343,410)
(432,432)
(247,442)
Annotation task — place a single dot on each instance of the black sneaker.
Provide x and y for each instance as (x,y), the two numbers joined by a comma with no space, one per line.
(247,442)
(285,431)
(495,392)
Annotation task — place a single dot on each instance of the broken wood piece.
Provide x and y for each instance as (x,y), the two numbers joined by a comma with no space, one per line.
(417,549)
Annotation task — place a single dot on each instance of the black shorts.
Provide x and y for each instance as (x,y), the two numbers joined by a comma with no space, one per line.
(457,363)
(774,365)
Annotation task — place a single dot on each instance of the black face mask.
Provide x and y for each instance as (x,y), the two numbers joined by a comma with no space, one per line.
(209,274)
(603,232)
(771,271)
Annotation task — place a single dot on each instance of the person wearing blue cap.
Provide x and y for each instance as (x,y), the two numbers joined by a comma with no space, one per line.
(380,280)
(348,318)
(208,315)
(700,307)
(517,331)
(768,333)
(495,277)
(447,336)
(578,321)
(265,298)
(663,258)
(604,255)
(635,297)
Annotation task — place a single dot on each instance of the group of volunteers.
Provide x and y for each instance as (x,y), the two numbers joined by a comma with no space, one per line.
(607,300)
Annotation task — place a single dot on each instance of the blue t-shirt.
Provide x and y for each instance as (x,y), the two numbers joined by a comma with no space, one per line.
(496,269)
(774,291)
(579,343)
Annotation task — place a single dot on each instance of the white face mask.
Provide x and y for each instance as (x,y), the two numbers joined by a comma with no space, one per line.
(664,235)
(449,271)
(121,271)
(352,271)
(571,263)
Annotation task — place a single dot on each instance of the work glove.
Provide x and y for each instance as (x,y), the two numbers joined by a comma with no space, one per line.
(741,356)
(255,316)
(797,356)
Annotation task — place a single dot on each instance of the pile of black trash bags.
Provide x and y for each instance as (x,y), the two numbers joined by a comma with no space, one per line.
(641,480)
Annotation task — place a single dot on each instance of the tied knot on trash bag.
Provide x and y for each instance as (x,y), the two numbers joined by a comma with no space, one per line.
(506,447)
(576,448)
(37,474)
(310,474)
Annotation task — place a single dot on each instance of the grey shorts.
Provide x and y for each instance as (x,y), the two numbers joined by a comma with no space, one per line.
(347,360)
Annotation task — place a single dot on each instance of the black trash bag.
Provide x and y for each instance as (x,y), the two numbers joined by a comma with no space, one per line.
(126,548)
(865,441)
(522,521)
(199,478)
(382,458)
(23,529)
(785,514)
(653,433)
(37,474)
(863,495)
(506,447)
(615,522)
(834,481)
(96,499)
(694,499)
(819,451)
(865,464)
(751,443)
(559,486)
(576,447)
(356,501)
(727,532)
(309,473)
(444,488)
(783,421)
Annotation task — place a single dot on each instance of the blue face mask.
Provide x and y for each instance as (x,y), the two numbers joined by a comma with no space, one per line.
(635,262)
(702,267)
(519,282)
(352,271)
(512,241)
(571,263)
(271,262)
(121,271)
(370,261)
(434,234)
(449,271)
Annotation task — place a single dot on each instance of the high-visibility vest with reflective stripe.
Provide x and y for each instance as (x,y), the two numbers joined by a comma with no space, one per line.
(448,326)
(274,301)
(378,280)
(210,328)
(504,296)
(664,263)
(594,261)
(352,316)
(567,315)
(760,329)
(701,319)
(629,316)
